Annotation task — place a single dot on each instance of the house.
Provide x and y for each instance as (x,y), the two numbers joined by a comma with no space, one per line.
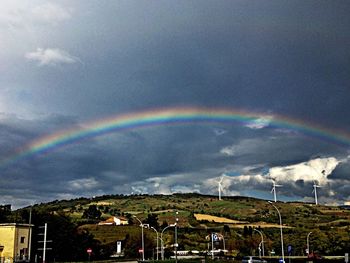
(114,221)
(15,241)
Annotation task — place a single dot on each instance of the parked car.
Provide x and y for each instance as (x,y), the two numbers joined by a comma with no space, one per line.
(252,259)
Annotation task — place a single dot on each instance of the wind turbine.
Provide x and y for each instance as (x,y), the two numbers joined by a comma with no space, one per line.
(273,190)
(220,187)
(315,191)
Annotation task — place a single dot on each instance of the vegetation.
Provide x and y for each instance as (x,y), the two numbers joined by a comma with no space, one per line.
(72,225)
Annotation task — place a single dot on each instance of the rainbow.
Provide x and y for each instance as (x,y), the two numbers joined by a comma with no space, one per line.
(173,116)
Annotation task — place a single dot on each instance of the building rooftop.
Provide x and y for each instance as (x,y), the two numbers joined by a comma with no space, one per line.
(15,224)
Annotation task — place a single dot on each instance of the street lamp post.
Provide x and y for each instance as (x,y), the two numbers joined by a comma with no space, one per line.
(161,238)
(176,222)
(142,238)
(259,247)
(157,239)
(307,243)
(223,240)
(212,246)
(262,241)
(161,247)
(279,215)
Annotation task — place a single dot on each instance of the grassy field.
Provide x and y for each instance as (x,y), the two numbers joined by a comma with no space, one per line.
(230,210)
(109,234)
(216,219)
(198,215)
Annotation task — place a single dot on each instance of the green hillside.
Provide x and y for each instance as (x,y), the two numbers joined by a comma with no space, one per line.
(234,218)
(294,214)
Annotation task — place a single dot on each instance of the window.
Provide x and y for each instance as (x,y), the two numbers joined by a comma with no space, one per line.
(22,240)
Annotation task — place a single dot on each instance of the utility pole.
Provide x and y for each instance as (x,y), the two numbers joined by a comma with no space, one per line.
(161,239)
(307,243)
(157,249)
(44,251)
(30,233)
(45,241)
(279,215)
(176,222)
(142,238)
(212,246)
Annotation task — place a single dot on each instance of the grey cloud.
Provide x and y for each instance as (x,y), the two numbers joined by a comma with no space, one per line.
(284,58)
(341,171)
(139,60)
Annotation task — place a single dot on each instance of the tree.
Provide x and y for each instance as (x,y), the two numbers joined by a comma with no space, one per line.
(152,220)
(164,224)
(68,243)
(92,213)
(227,229)
(5,212)
(245,231)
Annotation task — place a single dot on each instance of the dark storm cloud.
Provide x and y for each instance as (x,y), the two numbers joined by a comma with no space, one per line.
(94,59)
(342,171)
(114,163)
(256,55)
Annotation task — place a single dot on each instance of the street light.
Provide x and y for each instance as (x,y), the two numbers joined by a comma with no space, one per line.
(307,243)
(259,247)
(279,214)
(161,238)
(143,241)
(262,241)
(223,240)
(157,239)
(176,222)
(212,246)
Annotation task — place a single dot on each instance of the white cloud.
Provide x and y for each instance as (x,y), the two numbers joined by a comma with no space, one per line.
(240,184)
(219,132)
(245,146)
(249,184)
(51,56)
(160,185)
(19,13)
(260,123)
(306,171)
(51,13)
(229,150)
(167,185)
(317,169)
(287,175)
(83,184)
(139,189)
(13,12)
(211,186)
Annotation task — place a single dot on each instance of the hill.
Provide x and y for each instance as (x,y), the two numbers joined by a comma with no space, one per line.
(240,209)
(233,218)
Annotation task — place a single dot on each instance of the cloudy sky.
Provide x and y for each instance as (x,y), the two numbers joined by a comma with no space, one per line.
(67,65)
